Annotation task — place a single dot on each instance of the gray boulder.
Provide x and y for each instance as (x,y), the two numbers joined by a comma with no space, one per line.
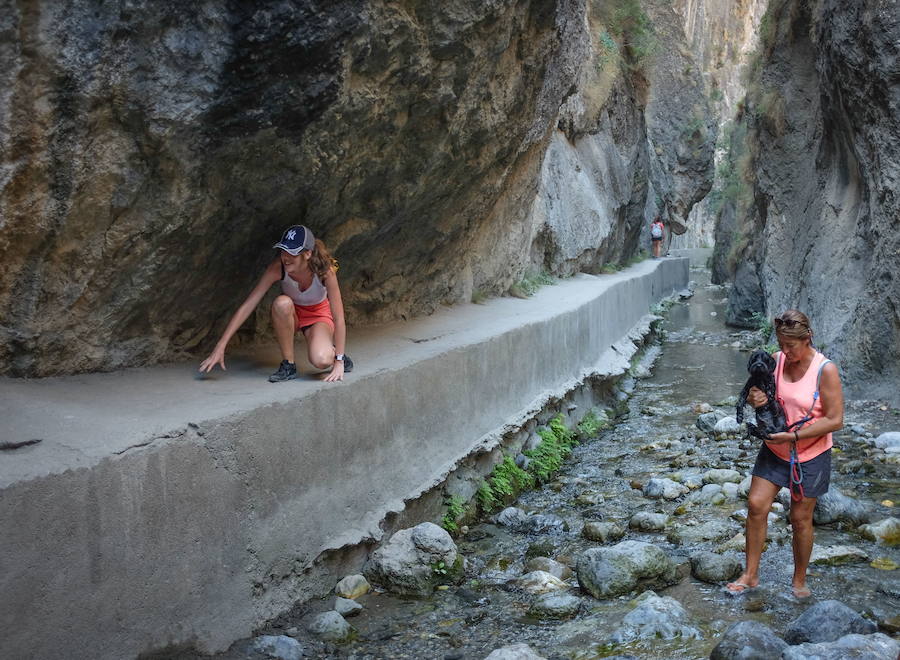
(352,586)
(647,521)
(885,531)
(540,582)
(825,622)
(869,647)
(834,507)
(655,617)
(512,517)
(721,476)
(603,532)
(543,522)
(519,521)
(548,565)
(514,652)
(711,531)
(835,555)
(555,606)
(406,563)
(664,488)
(748,640)
(331,627)
(887,440)
(346,607)
(707,421)
(726,426)
(715,568)
(279,647)
(611,571)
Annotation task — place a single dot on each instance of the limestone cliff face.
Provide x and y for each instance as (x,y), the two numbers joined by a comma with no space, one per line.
(817,229)
(151,154)
(721,36)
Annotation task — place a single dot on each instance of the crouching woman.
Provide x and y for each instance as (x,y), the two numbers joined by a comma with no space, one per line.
(310,302)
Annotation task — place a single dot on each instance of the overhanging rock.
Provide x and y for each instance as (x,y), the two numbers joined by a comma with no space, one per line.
(163,511)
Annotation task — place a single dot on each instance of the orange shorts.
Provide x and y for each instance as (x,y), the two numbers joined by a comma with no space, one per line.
(307,315)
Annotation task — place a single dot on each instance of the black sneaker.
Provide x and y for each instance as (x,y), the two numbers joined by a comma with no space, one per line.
(286,371)
(348,364)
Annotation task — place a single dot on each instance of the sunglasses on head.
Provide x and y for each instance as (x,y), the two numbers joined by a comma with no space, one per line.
(788,323)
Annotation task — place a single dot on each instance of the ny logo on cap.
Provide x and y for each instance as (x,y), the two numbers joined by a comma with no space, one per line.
(291,234)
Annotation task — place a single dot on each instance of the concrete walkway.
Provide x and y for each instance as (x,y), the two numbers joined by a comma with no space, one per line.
(160,508)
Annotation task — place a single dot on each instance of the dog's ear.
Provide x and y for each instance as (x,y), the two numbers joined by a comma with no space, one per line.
(769,361)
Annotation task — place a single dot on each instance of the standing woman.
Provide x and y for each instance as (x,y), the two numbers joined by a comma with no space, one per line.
(310,302)
(657,231)
(809,388)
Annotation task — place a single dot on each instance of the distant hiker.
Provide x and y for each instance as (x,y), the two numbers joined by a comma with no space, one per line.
(310,302)
(657,231)
(808,386)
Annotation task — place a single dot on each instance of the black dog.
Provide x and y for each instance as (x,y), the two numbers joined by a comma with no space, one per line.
(770,417)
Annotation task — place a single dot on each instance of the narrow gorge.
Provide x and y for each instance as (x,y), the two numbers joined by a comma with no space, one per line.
(485,173)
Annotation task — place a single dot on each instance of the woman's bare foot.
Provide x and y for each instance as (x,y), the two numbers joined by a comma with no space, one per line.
(742,585)
(800,592)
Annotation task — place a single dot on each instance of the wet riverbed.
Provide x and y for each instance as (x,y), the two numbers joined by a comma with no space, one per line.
(700,362)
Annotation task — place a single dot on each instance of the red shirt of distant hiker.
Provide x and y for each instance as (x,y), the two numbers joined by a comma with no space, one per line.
(809,388)
(310,302)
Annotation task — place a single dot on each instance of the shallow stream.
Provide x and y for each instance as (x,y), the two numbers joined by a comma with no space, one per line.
(700,362)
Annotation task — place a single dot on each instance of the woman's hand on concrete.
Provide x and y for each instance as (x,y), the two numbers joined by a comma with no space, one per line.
(756,397)
(217,357)
(337,372)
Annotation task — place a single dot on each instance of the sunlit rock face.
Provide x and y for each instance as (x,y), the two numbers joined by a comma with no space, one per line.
(722,36)
(821,233)
(153,152)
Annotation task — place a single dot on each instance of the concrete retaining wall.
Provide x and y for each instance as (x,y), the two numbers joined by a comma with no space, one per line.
(198,538)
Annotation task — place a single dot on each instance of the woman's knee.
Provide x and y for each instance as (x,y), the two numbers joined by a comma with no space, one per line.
(758,506)
(282,307)
(321,359)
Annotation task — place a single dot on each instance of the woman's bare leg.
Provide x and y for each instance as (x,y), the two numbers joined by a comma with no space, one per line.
(320,345)
(284,322)
(802,542)
(759,504)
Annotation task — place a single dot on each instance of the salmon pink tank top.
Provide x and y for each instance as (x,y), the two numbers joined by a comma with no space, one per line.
(796,399)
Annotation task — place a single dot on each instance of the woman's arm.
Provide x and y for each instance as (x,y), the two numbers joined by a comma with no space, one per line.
(340,327)
(832,418)
(271,275)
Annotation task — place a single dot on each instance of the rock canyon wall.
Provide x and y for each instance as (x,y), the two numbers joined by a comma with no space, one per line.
(811,220)
(153,152)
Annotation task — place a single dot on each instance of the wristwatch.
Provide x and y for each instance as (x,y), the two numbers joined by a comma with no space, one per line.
(339,357)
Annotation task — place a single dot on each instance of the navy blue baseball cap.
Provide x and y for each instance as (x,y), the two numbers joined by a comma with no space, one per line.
(296,239)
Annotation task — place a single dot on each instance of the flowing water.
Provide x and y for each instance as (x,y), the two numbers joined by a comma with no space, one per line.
(698,361)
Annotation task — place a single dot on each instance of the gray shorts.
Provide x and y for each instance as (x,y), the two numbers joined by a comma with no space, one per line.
(816,471)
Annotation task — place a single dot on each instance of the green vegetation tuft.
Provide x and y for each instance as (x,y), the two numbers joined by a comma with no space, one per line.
(479,297)
(556,443)
(528,285)
(591,424)
(627,21)
(607,49)
(485,497)
(508,479)
(456,507)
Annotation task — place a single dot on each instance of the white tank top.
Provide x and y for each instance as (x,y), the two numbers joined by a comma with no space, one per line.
(315,294)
